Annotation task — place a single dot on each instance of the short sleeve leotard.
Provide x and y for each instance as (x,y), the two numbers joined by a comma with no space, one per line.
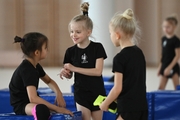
(25,75)
(131,63)
(168,53)
(86,88)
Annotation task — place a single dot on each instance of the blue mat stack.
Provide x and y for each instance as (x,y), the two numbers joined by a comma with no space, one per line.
(178,87)
(150,101)
(162,105)
(12,116)
(68,97)
(5,106)
(166,105)
(6,111)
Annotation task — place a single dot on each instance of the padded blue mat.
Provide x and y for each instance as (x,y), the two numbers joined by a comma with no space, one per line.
(12,116)
(45,93)
(107,85)
(178,87)
(68,97)
(5,106)
(166,105)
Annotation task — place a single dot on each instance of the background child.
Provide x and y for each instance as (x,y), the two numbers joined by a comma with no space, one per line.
(129,69)
(24,82)
(169,67)
(85,59)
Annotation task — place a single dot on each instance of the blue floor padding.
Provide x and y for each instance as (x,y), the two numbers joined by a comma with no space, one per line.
(167,105)
(68,97)
(106,78)
(162,105)
(44,90)
(5,106)
(178,87)
(150,102)
(109,116)
(107,85)
(12,116)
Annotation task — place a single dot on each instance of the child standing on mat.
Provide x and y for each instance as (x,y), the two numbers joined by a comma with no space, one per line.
(24,82)
(129,69)
(85,59)
(169,67)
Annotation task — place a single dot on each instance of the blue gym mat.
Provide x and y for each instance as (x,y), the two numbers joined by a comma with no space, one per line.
(12,116)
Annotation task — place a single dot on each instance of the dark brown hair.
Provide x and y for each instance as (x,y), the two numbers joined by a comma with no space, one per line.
(31,42)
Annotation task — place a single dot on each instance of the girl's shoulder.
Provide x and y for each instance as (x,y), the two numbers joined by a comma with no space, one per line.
(176,38)
(25,66)
(96,44)
(72,48)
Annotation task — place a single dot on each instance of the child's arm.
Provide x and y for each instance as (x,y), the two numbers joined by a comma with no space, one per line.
(34,98)
(97,71)
(52,84)
(174,61)
(115,91)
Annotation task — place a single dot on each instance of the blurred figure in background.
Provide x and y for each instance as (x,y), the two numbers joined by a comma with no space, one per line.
(169,67)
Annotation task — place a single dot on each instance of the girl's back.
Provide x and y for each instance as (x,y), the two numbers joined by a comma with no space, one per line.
(131,63)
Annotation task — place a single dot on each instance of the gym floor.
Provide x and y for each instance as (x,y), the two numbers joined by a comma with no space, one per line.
(152,81)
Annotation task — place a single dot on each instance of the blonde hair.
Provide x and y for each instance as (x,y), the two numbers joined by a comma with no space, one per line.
(88,22)
(172,19)
(127,24)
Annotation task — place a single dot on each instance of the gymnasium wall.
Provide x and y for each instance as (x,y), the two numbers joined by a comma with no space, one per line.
(51,17)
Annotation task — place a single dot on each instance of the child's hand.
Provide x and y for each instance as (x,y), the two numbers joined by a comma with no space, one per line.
(64,111)
(167,71)
(59,101)
(69,67)
(65,73)
(104,107)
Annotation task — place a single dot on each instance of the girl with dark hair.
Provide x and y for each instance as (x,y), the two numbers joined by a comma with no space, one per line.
(25,79)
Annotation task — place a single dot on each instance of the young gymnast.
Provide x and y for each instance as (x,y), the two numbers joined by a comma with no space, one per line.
(25,79)
(169,67)
(85,60)
(129,69)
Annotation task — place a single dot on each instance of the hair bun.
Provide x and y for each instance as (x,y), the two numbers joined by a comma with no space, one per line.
(128,14)
(18,39)
(85,8)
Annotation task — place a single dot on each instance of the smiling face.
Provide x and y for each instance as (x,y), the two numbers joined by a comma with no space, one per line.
(78,32)
(168,28)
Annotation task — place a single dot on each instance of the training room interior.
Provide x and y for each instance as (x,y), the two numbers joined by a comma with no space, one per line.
(51,17)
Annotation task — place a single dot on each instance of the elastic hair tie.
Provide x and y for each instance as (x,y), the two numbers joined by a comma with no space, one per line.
(126,16)
(85,13)
(22,40)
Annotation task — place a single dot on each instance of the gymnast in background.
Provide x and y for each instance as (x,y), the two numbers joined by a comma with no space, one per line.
(169,67)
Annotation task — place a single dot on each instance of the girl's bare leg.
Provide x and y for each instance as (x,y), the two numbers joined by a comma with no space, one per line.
(120,118)
(175,80)
(97,115)
(86,113)
(163,82)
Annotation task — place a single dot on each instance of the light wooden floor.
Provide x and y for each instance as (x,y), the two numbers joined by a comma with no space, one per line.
(152,80)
